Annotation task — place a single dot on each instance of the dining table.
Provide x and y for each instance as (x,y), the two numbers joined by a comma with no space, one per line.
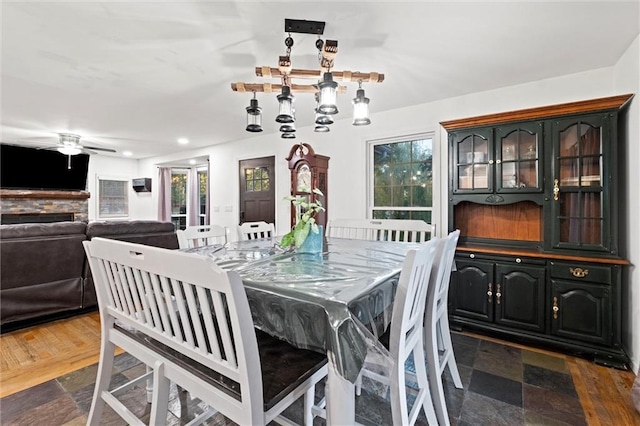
(336,302)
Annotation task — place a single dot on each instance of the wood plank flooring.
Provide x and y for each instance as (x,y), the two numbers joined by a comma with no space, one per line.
(35,355)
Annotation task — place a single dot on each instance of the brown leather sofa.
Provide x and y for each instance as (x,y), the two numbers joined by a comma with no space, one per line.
(151,233)
(44,273)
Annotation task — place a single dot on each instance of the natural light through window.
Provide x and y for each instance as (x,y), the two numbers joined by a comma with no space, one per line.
(402,178)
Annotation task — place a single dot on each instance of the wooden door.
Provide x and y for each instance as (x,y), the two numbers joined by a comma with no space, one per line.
(519,296)
(581,311)
(257,190)
(472,289)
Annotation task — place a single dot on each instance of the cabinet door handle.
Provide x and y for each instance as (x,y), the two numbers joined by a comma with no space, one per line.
(498,161)
(579,272)
(556,189)
(555,307)
(490,293)
(498,294)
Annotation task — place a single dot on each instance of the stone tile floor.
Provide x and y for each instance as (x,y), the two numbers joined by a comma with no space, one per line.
(503,385)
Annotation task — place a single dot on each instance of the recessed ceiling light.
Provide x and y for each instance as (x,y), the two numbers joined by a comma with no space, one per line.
(127,153)
(183,141)
(192,161)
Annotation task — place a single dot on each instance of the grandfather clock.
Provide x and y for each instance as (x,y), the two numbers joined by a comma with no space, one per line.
(308,171)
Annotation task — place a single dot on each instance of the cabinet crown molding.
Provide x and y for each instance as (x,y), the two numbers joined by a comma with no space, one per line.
(611,102)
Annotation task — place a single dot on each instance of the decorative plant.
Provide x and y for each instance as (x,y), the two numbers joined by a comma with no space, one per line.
(306,213)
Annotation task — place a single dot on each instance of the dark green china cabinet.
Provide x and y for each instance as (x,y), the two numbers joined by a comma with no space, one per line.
(535,195)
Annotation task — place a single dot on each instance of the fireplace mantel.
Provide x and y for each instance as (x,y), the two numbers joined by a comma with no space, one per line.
(38,205)
(44,194)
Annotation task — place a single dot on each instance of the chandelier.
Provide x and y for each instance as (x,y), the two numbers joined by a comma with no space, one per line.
(325,89)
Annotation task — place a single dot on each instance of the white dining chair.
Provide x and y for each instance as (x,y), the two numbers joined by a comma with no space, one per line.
(416,231)
(255,230)
(405,338)
(200,236)
(438,344)
(207,345)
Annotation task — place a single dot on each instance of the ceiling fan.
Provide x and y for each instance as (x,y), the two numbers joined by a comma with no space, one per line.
(70,145)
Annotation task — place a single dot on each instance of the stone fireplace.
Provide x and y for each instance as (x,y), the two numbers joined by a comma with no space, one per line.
(22,206)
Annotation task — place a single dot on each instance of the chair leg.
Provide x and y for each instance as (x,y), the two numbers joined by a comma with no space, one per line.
(399,410)
(450,357)
(424,384)
(358,384)
(149,386)
(103,380)
(309,399)
(435,377)
(160,402)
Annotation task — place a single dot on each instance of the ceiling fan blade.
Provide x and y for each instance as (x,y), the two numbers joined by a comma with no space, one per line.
(95,148)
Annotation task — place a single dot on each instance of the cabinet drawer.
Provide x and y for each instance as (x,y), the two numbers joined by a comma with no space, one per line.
(581,272)
(516,260)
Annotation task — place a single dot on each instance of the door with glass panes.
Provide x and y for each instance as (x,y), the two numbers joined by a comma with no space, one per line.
(580,213)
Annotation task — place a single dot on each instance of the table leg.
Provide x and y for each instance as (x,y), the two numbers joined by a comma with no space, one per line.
(341,399)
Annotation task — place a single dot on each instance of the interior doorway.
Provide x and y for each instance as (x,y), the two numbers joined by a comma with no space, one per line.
(257,190)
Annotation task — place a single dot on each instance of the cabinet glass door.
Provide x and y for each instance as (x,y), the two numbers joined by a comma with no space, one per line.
(518,158)
(578,183)
(473,161)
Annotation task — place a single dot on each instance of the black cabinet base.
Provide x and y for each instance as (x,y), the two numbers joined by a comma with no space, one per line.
(609,357)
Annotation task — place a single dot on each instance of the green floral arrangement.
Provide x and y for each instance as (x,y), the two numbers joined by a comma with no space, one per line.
(306,213)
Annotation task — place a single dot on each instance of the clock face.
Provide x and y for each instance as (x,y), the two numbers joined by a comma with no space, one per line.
(303,180)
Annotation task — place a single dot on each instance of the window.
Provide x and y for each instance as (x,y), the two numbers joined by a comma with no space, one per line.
(401,180)
(203,184)
(113,197)
(257,179)
(179,184)
(179,198)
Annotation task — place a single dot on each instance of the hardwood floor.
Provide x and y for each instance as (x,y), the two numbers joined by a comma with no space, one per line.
(35,355)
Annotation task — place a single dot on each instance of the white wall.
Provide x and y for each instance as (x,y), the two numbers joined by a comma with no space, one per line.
(115,168)
(626,78)
(347,147)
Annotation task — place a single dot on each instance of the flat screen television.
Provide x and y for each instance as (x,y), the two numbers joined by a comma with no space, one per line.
(32,168)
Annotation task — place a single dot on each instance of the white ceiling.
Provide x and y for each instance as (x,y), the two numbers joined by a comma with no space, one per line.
(137,75)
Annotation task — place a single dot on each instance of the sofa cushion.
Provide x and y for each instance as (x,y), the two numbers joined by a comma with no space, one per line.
(39,230)
(148,232)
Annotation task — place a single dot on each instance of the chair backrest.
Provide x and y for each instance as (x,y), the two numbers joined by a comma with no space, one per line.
(188,303)
(409,305)
(255,230)
(441,273)
(415,231)
(200,236)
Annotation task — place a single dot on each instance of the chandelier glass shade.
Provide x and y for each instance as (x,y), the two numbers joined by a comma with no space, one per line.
(285,109)
(361,109)
(254,116)
(328,95)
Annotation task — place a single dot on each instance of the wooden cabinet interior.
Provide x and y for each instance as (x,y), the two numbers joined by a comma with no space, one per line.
(512,222)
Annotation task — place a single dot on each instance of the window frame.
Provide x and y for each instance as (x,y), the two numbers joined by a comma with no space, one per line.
(435,170)
(120,215)
(203,218)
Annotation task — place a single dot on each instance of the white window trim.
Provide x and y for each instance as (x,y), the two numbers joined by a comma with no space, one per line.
(99,215)
(437,171)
